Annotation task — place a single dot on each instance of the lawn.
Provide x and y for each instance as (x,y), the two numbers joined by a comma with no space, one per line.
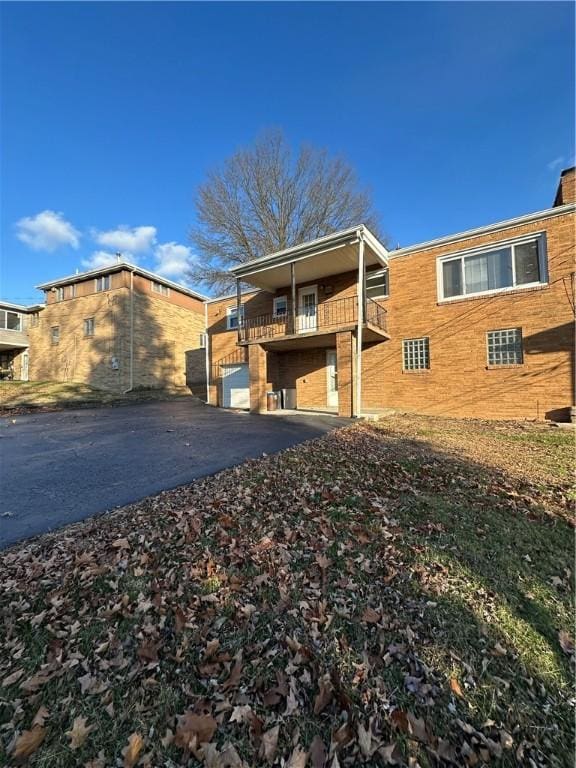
(24,396)
(397,593)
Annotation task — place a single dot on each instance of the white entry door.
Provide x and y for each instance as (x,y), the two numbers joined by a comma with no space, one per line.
(235,386)
(24,367)
(331,379)
(307,318)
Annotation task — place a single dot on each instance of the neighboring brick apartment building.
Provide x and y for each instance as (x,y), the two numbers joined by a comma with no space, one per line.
(14,342)
(118,328)
(475,324)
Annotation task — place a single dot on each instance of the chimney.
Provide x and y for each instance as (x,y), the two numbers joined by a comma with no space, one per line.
(566,192)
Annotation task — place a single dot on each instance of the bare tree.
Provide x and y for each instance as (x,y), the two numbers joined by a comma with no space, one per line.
(265,199)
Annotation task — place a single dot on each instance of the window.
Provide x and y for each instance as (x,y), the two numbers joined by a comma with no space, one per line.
(34,319)
(202,341)
(164,290)
(377,284)
(280,306)
(505,347)
(60,294)
(232,317)
(72,291)
(416,354)
(10,321)
(89,326)
(103,283)
(55,334)
(510,265)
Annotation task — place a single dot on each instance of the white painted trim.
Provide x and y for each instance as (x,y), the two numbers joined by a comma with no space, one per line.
(307,290)
(275,301)
(539,237)
(549,213)
(231,311)
(331,353)
(231,296)
(207,355)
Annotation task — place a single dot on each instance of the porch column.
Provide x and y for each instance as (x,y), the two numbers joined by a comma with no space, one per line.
(345,367)
(293,293)
(361,304)
(238,308)
(258,375)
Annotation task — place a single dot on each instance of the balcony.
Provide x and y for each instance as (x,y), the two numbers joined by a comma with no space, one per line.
(316,324)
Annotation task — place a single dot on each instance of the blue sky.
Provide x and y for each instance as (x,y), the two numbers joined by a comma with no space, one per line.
(454,114)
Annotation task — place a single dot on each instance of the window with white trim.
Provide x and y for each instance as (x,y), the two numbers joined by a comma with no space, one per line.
(160,288)
(514,264)
(232,317)
(89,326)
(504,347)
(10,321)
(55,334)
(416,354)
(60,293)
(377,284)
(203,337)
(72,291)
(103,283)
(280,306)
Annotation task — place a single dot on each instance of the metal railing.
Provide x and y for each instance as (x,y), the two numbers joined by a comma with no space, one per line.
(328,315)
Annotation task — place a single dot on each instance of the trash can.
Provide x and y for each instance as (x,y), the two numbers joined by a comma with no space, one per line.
(272,401)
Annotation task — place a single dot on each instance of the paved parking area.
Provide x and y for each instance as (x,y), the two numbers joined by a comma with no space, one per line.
(58,468)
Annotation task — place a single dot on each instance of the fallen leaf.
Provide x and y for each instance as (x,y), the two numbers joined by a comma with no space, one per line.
(194,729)
(324,697)
(298,758)
(370,616)
(131,751)
(455,687)
(28,742)
(40,716)
(269,744)
(317,752)
(566,642)
(78,733)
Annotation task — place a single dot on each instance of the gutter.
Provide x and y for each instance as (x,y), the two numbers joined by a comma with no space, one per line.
(131,357)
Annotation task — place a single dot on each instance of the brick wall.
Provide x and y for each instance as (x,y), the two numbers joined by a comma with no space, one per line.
(166,339)
(459,382)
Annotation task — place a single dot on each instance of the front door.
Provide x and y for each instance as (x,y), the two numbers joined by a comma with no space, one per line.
(332,379)
(307,318)
(24,367)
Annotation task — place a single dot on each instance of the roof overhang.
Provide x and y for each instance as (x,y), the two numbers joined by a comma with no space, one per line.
(118,267)
(315,260)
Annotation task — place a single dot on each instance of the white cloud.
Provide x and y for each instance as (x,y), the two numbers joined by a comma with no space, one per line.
(47,231)
(553,164)
(104,259)
(127,239)
(173,260)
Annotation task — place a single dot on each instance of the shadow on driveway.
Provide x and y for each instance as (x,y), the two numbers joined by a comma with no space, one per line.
(59,468)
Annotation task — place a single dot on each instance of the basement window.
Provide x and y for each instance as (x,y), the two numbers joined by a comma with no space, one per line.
(505,347)
(416,354)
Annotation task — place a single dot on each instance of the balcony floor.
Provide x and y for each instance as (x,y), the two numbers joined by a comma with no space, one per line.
(317,339)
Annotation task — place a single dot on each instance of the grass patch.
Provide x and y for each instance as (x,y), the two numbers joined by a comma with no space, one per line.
(405,583)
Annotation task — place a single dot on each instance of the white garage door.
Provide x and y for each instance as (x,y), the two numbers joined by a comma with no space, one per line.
(235,386)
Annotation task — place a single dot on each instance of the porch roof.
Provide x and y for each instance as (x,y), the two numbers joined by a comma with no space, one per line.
(329,255)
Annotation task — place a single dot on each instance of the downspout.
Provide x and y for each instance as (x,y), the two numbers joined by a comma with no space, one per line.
(207,353)
(361,302)
(131,357)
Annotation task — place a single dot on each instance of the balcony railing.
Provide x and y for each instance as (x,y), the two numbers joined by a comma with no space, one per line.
(319,318)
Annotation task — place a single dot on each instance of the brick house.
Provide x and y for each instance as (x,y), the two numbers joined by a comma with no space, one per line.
(118,328)
(475,324)
(14,340)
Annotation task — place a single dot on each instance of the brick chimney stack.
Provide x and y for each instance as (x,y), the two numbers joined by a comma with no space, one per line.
(566,192)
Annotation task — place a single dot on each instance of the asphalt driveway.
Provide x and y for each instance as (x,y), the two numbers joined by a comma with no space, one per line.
(58,468)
